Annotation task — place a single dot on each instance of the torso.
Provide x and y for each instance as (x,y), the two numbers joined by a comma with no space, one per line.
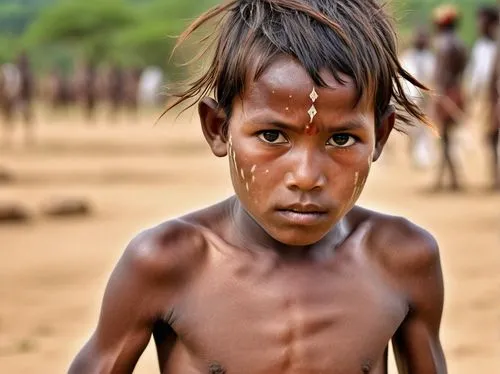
(251,313)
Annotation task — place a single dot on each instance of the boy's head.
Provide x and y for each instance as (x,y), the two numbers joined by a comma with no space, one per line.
(303,93)
(487,20)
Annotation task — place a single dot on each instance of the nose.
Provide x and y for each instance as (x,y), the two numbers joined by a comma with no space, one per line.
(306,172)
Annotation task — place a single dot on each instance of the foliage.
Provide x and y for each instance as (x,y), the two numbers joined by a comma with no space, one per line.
(140,32)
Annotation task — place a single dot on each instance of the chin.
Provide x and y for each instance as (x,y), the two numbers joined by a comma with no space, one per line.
(298,238)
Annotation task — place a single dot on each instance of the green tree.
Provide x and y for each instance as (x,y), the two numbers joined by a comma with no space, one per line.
(88,27)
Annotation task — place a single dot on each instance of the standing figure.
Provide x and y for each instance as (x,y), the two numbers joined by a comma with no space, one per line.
(420,61)
(131,90)
(60,90)
(151,84)
(480,69)
(116,90)
(26,94)
(451,60)
(10,88)
(493,130)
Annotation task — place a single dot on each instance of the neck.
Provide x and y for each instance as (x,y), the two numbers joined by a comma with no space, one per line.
(247,233)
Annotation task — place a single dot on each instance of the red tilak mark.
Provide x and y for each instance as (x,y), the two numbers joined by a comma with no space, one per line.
(311,130)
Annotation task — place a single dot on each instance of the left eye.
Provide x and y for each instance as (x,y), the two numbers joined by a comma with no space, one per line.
(341,140)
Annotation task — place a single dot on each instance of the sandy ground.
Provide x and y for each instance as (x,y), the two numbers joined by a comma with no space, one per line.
(53,271)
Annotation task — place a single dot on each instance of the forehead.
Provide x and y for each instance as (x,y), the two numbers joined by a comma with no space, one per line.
(286,82)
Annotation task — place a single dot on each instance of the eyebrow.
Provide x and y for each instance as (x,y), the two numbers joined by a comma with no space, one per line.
(349,125)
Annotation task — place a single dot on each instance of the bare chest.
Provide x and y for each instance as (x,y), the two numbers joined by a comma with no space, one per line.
(294,318)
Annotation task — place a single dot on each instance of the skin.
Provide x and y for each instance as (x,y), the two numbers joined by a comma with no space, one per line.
(242,287)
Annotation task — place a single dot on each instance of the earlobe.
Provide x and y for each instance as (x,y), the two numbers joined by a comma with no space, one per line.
(212,119)
(383,131)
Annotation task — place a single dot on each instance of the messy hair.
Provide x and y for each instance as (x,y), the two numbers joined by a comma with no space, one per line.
(347,37)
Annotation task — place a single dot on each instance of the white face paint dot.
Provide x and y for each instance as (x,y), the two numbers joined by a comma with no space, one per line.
(253,168)
(267,171)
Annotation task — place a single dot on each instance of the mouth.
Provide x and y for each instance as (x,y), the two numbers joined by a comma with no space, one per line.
(304,215)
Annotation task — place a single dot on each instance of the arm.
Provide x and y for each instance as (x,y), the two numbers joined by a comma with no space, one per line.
(137,292)
(417,346)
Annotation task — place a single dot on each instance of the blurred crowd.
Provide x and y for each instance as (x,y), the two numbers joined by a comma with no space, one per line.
(460,81)
(88,85)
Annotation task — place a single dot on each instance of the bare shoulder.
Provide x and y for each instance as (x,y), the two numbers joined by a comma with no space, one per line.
(406,250)
(167,251)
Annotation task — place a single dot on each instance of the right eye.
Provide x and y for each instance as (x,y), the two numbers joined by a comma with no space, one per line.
(272,137)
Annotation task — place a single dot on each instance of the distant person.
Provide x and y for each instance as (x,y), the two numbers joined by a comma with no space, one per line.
(116,90)
(10,88)
(288,275)
(480,68)
(420,61)
(26,94)
(493,130)
(131,90)
(86,88)
(451,60)
(60,90)
(151,84)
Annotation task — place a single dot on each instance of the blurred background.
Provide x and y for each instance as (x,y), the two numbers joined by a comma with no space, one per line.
(83,167)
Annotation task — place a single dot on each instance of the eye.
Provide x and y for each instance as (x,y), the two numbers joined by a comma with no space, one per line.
(272,137)
(341,140)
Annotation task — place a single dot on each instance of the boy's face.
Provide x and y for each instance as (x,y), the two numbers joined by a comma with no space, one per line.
(295,177)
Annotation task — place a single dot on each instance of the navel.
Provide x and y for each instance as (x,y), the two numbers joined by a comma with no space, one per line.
(366,367)
(216,368)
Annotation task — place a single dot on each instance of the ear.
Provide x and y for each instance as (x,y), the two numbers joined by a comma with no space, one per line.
(383,131)
(213,119)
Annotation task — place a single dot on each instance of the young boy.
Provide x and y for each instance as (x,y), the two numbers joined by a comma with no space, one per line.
(288,275)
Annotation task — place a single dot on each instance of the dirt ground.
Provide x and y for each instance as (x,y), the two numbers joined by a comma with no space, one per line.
(53,271)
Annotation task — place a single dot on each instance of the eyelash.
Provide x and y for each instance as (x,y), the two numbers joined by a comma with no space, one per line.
(279,133)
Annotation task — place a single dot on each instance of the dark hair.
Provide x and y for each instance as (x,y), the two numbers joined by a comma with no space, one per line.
(490,12)
(353,37)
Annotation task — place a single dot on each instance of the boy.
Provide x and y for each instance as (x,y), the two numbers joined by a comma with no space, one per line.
(288,276)
(451,60)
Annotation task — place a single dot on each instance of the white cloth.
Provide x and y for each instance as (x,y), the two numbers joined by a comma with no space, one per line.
(11,77)
(421,64)
(151,85)
(480,69)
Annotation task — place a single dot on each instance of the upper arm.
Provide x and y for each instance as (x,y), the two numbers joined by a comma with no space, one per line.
(140,290)
(416,344)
